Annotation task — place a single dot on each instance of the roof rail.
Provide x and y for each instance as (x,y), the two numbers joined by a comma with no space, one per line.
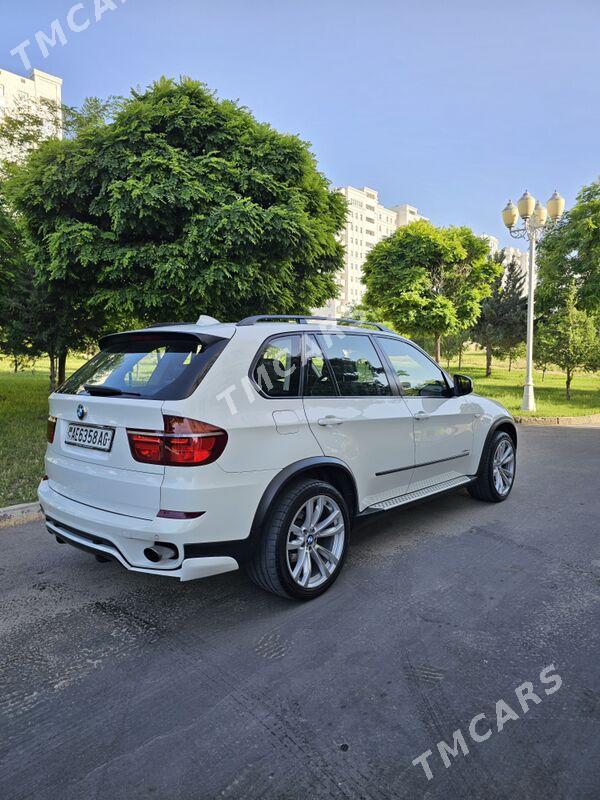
(303,319)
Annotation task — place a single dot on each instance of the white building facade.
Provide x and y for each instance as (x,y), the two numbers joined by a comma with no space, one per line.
(367,223)
(522,259)
(40,91)
(510,254)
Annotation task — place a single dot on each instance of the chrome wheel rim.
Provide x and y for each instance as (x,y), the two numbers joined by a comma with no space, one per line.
(315,541)
(504,467)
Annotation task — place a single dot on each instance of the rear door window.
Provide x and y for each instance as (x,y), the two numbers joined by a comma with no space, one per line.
(319,380)
(157,366)
(355,364)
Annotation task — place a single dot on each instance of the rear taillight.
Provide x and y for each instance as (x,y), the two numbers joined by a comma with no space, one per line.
(183,443)
(50,428)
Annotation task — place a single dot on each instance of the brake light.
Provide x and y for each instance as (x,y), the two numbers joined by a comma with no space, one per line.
(50,429)
(183,443)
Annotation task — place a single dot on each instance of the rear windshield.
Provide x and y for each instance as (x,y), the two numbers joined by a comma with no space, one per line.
(149,366)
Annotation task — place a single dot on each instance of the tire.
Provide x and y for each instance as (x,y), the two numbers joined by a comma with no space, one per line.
(492,486)
(295,571)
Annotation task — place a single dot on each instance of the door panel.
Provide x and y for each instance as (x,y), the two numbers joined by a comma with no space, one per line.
(443,422)
(370,428)
(443,439)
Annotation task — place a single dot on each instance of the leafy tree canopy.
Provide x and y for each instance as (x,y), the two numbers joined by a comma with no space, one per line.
(570,255)
(429,280)
(569,339)
(182,204)
(502,323)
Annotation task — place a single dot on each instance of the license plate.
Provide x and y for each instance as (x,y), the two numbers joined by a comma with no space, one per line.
(94,437)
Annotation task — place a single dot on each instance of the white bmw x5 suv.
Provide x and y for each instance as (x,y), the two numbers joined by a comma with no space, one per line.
(189,450)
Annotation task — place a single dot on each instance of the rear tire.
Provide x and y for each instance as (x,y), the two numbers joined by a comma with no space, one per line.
(497,470)
(304,541)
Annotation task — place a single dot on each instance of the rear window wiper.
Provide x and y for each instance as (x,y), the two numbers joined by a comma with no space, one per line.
(107,391)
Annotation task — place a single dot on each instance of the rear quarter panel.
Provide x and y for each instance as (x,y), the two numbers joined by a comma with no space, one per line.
(228,398)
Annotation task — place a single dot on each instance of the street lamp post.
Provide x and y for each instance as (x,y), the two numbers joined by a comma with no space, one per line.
(534,226)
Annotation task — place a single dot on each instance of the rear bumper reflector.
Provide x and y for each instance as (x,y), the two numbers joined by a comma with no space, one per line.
(179,514)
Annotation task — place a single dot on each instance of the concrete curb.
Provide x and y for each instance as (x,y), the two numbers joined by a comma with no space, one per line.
(17,515)
(589,419)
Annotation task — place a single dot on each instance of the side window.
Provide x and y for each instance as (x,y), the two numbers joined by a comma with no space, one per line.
(418,376)
(319,381)
(355,364)
(277,370)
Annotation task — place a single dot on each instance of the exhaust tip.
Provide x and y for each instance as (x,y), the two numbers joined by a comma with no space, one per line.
(152,555)
(161,551)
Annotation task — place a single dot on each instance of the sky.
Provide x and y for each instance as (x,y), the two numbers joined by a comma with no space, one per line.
(450,106)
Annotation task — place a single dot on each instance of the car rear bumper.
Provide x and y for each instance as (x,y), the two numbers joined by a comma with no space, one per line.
(126,539)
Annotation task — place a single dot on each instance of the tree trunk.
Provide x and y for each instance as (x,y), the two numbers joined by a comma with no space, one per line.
(510,360)
(438,348)
(15,364)
(62,366)
(460,355)
(569,377)
(52,371)
(448,363)
(488,361)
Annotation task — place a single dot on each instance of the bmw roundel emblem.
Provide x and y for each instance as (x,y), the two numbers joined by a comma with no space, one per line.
(81,411)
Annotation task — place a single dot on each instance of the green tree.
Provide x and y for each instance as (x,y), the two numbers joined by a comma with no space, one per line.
(182,204)
(38,313)
(13,292)
(487,330)
(502,324)
(568,338)
(570,255)
(428,280)
(453,346)
(513,324)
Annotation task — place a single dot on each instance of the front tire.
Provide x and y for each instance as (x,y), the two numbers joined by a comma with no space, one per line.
(304,542)
(496,475)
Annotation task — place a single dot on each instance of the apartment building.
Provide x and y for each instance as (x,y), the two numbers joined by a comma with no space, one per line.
(367,222)
(510,254)
(40,90)
(522,259)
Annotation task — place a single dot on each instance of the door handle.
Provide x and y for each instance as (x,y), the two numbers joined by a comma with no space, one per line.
(325,421)
(421,415)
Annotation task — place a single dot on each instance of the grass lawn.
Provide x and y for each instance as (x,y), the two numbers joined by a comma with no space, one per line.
(24,410)
(23,415)
(507,387)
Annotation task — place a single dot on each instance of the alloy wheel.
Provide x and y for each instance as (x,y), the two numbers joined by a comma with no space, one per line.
(315,541)
(503,465)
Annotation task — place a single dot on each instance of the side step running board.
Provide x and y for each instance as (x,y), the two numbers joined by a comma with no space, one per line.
(394,502)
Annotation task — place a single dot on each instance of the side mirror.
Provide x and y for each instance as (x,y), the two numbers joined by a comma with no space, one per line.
(462,385)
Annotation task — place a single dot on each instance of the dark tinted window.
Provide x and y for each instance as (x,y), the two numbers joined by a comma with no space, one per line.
(151,366)
(418,375)
(356,366)
(319,380)
(277,370)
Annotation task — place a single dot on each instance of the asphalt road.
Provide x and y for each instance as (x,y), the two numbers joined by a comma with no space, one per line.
(116,685)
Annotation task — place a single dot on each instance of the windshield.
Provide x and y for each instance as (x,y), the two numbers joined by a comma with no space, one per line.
(152,366)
